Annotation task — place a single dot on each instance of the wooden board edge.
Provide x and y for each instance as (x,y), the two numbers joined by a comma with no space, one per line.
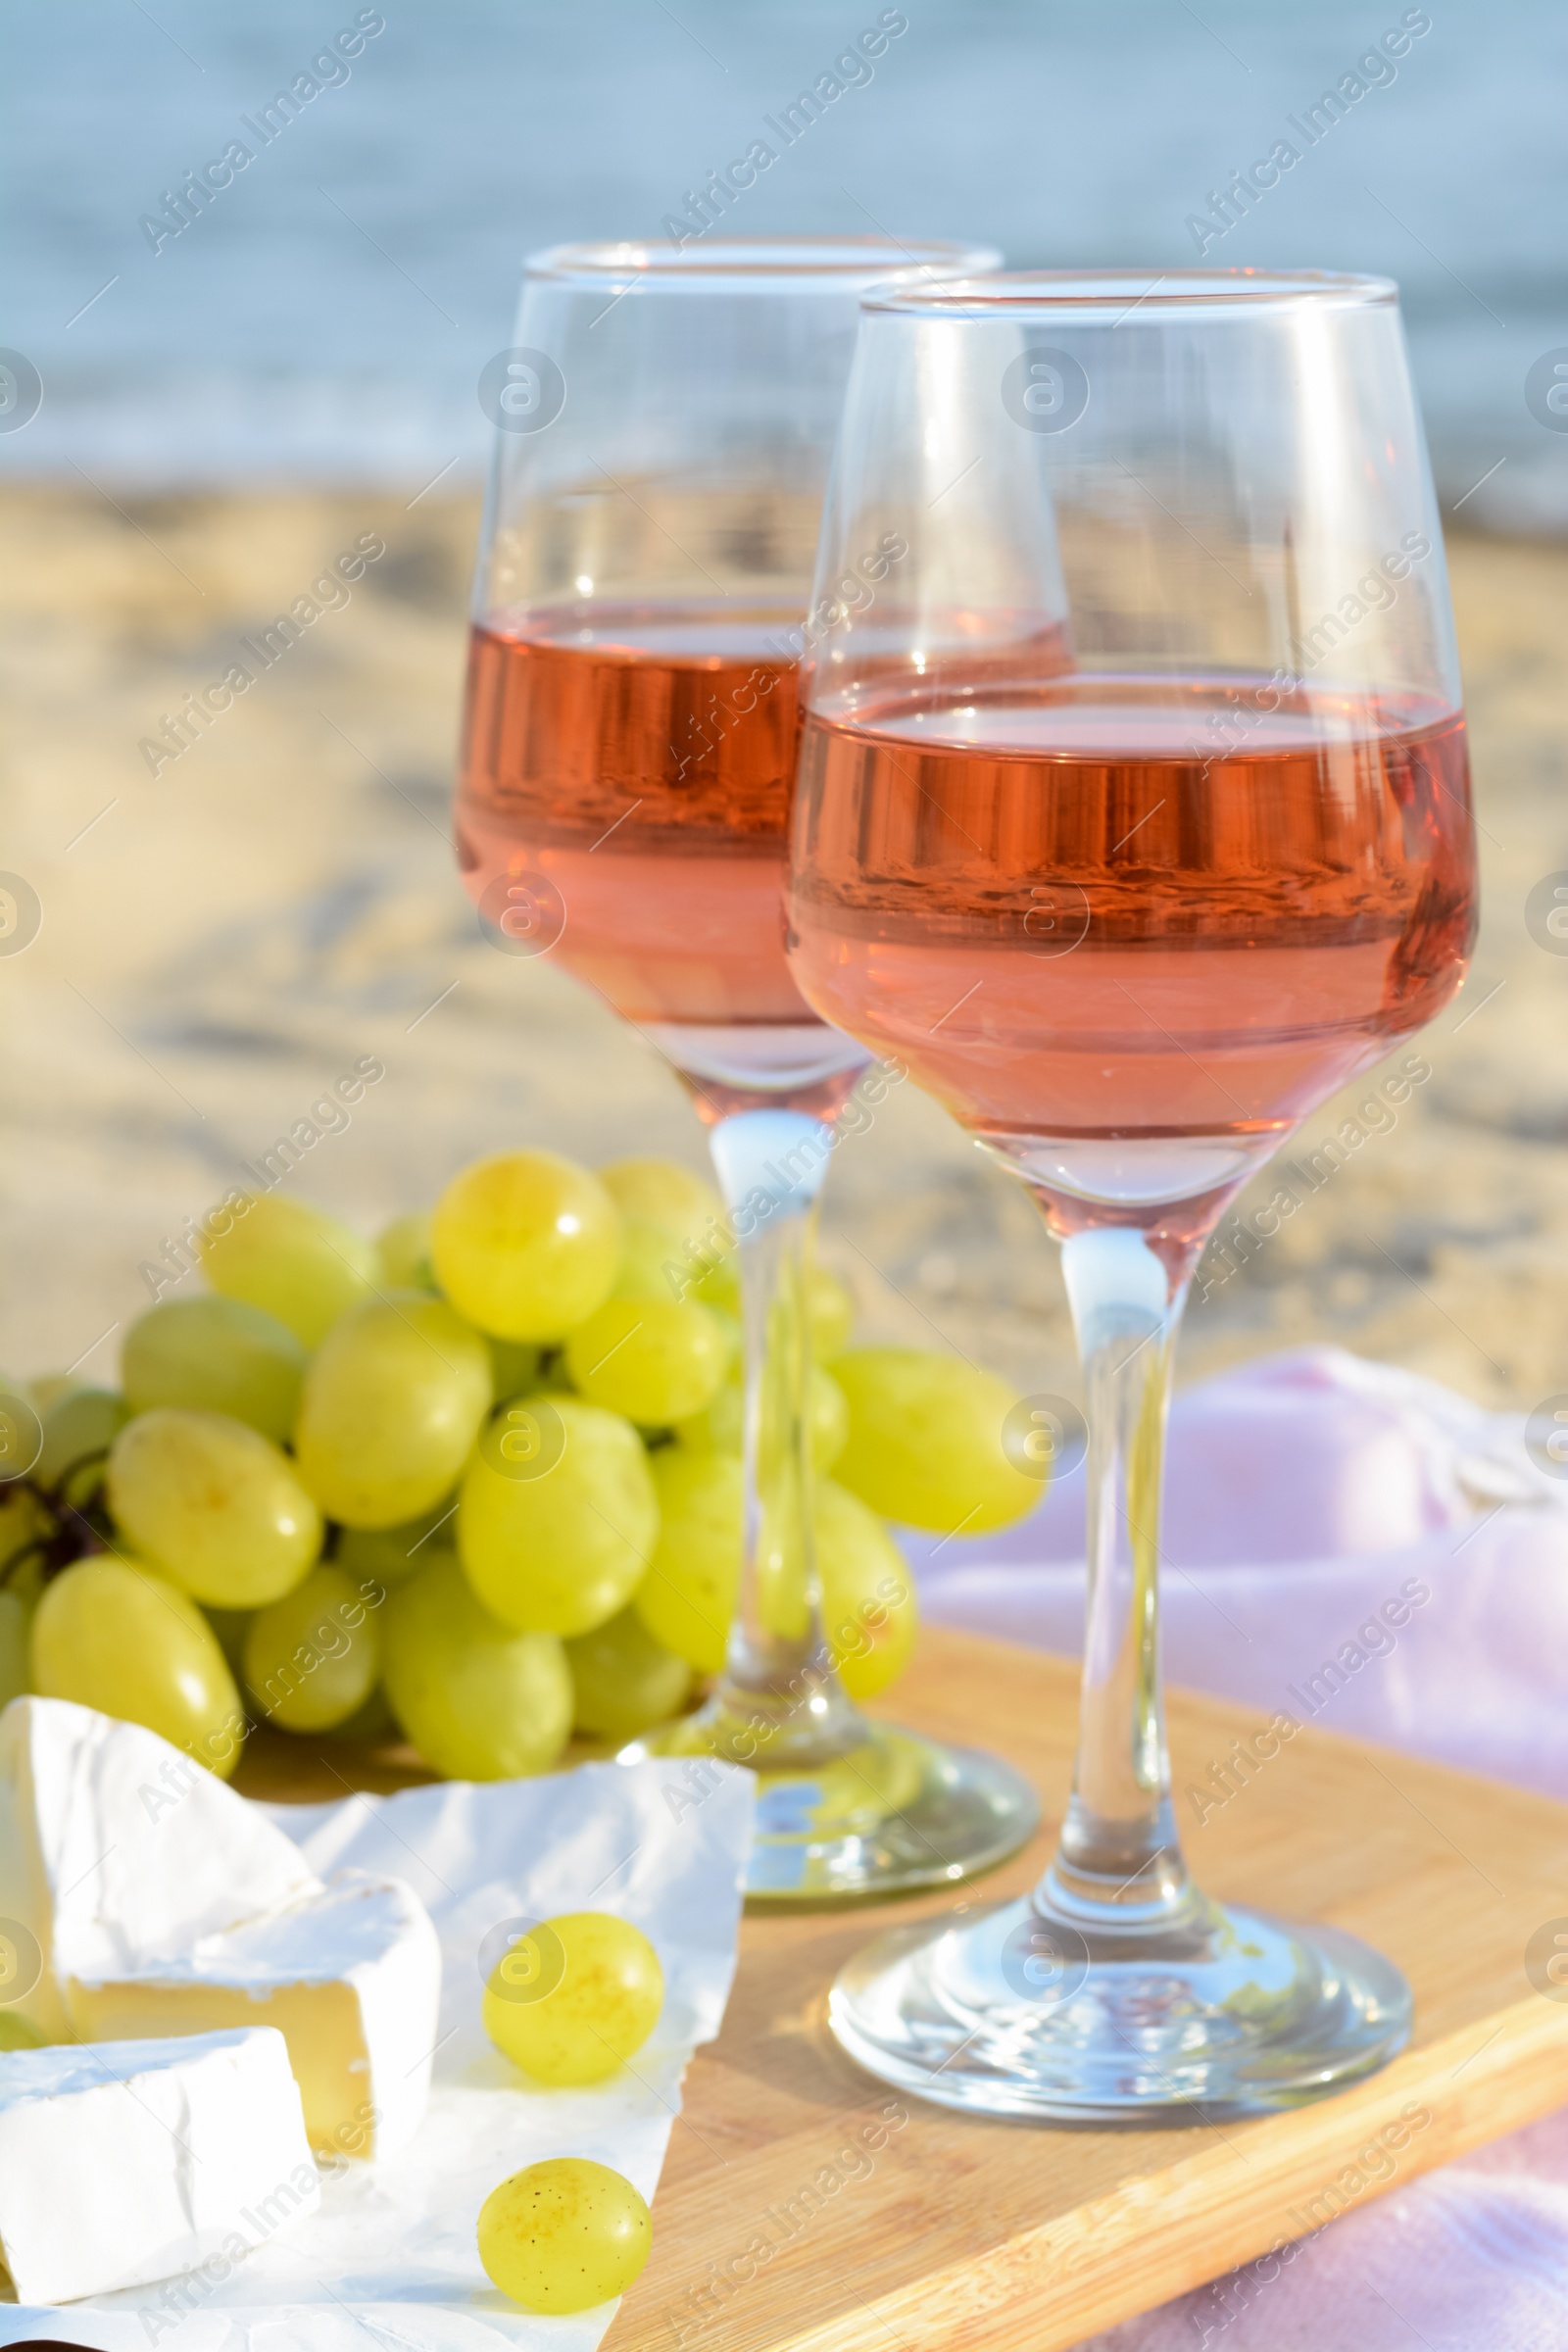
(1046,2289)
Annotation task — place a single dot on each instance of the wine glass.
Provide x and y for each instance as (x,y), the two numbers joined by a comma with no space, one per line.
(1135,818)
(665,426)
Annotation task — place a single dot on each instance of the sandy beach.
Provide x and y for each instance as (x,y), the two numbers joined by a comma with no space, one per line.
(225,938)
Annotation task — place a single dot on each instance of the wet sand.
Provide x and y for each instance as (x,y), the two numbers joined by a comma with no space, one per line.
(223,941)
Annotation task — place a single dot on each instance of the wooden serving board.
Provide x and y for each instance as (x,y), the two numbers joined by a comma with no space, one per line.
(806,2208)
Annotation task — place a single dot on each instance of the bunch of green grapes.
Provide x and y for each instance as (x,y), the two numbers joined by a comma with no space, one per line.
(479,1484)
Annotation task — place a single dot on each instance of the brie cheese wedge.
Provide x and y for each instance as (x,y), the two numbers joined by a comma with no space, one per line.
(122,2163)
(163,1903)
(351,1977)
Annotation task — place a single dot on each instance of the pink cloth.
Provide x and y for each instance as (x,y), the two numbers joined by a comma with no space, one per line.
(1324,1511)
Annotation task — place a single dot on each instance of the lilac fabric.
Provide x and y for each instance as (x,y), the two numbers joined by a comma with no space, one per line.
(1362,1549)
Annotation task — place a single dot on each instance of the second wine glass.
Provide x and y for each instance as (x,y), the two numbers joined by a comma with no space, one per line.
(665,425)
(1137,823)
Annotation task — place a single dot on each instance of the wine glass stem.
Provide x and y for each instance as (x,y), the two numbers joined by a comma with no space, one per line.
(779,1680)
(1119,1861)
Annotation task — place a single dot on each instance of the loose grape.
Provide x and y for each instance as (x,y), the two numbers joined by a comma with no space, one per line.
(313,1659)
(926,1442)
(564,2235)
(868,1607)
(390,1555)
(404,1249)
(15,1636)
(213,1505)
(111,1634)
(624,1679)
(654,1359)
(557,1542)
(480,1700)
(525,1245)
(292,1261)
(391,1405)
(687,1598)
(581,2016)
(218,1354)
(78,1430)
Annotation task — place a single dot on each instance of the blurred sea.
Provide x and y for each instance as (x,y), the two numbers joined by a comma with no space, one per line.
(327,318)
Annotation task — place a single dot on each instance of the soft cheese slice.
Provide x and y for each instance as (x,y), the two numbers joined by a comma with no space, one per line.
(352,1979)
(115,1848)
(162,1903)
(122,2163)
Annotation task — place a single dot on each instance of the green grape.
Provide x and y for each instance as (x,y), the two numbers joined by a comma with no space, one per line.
(719,1286)
(575,1998)
(404,1249)
(292,1261)
(513,1365)
(78,1428)
(685,1248)
(18,2033)
(213,1505)
(111,1634)
(830,1313)
(391,1405)
(24,1520)
(390,1555)
(654,1263)
(687,1598)
(557,1540)
(16,1637)
(564,2235)
(480,1700)
(662,1191)
(624,1679)
(925,1443)
(313,1657)
(218,1354)
(721,1427)
(654,1359)
(525,1245)
(46,1391)
(868,1607)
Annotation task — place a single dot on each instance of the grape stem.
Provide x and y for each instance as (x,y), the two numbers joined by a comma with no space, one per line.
(74,1535)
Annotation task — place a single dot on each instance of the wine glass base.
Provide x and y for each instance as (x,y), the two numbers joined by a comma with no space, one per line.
(893,1815)
(1004,2010)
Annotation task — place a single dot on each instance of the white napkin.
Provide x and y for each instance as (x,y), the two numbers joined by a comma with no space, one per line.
(1306,1494)
(390,2257)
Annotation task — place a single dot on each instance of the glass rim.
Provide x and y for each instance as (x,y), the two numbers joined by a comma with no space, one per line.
(724,263)
(1090,293)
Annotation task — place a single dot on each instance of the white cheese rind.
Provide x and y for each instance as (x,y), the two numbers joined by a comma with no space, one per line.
(115,1848)
(351,1977)
(124,2163)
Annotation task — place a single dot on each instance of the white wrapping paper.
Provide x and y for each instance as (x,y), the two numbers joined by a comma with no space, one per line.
(390,2257)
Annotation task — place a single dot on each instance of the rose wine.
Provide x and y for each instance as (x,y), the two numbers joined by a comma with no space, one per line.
(1131,930)
(642,760)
